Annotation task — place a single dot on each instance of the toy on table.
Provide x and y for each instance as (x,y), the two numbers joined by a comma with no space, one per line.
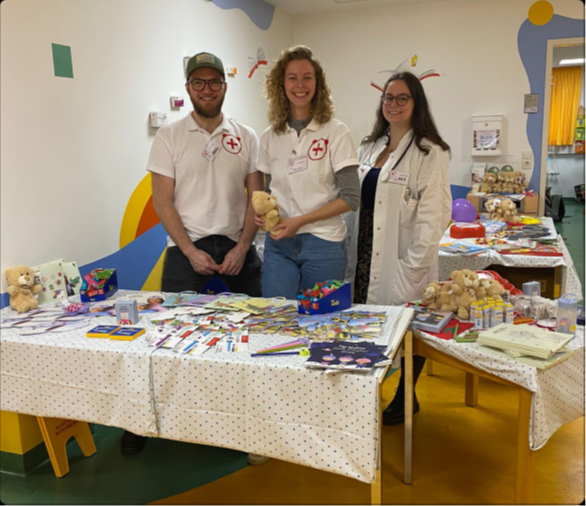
(22,288)
(126,311)
(99,284)
(325,297)
(266,206)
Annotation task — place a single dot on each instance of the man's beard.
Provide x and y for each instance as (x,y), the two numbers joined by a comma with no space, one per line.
(208,113)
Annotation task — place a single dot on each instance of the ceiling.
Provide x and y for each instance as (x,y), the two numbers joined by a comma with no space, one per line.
(298,7)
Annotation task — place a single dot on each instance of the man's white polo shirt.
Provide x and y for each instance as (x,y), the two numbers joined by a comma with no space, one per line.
(209,194)
(302,171)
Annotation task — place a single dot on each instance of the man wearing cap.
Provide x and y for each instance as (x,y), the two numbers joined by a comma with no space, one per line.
(201,166)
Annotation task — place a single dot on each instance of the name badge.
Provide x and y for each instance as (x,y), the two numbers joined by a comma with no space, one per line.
(398,177)
(211,150)
(298,164)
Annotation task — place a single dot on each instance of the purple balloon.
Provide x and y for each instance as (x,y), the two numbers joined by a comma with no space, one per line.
(463,211)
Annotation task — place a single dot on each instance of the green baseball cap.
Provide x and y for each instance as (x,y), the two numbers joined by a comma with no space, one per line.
(205,60)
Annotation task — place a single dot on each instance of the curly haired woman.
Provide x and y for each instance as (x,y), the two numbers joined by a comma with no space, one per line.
(313,167)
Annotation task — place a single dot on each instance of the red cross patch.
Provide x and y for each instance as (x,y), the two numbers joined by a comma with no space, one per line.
(318,149)
(231,144)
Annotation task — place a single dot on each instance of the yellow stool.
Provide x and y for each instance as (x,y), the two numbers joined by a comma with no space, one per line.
(56,432)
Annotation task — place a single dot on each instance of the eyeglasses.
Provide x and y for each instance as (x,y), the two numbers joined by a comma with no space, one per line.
(200,84)
(400,99)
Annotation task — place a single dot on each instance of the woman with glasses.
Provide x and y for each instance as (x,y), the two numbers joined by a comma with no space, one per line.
(406,206)
(312,164)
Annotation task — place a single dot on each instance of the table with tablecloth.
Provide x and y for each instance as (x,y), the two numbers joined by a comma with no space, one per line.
(273,406)
(558,392)
(570,281)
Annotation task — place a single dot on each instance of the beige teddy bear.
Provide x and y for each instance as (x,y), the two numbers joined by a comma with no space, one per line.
(520,184)
(488,182)
(493,288)
(500,183)
(509,211)
(464,285)
(494,212)
(509,186)
(266,206)
(431,293)
(22,288)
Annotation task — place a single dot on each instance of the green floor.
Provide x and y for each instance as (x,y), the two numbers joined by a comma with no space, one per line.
(572,230)
(162,469)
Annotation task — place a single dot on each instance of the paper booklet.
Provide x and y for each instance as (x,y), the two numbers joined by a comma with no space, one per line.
(524,340)
(539,363)
(344,355)
(431,320)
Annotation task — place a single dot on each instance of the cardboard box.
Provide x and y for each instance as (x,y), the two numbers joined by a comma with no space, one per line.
(528,206)
(90,294)
(335,301)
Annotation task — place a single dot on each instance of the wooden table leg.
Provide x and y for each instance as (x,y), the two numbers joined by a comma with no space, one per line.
(471,389)
(408,372)
(429,370)
(525,456)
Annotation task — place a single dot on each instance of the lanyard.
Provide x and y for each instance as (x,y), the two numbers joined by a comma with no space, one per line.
(406,149)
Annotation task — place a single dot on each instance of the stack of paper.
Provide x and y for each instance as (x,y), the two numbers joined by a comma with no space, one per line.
(522,340)
(526,344)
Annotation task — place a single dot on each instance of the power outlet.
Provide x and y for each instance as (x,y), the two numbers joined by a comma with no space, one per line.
(527,160)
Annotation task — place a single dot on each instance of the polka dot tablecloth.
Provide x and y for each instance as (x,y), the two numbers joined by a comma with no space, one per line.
(570,282)
(558,392)
(271,406)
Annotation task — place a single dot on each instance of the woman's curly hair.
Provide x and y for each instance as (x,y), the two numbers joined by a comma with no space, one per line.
(322,108)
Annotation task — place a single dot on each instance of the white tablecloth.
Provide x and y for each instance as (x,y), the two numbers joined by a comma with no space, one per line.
(558,392)
(449,262)
(271,406)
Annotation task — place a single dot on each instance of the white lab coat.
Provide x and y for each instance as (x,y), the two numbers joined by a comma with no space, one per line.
(409,221)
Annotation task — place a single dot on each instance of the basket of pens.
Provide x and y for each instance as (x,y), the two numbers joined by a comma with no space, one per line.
(325,297)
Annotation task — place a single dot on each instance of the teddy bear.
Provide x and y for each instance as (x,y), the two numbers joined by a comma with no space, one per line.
(22,288)
(500,183)
(431,293)
(493,288)
(520,184)
(494,212)
(509,185)
(509,211)
(266,206)
(464,285)
(488,182)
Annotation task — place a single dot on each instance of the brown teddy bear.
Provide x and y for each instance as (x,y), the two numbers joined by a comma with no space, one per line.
(493,288)
(509,211)
(520,184)
(443,299)
(488,182)
(494,212)
(509,185)
(431,293)
(464,285)
(500,183)
(266,206)
(22,288)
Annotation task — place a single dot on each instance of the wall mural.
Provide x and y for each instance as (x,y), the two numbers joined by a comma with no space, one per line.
(415,65)
(260,12)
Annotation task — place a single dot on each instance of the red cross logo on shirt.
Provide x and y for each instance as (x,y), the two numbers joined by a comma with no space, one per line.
(231,144)
(318,149)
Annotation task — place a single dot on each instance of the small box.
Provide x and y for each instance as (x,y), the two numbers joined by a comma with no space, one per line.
(529,205)
(102,331)
(127,333)
(335,301)
(89,292)
(126,312)
(532,288)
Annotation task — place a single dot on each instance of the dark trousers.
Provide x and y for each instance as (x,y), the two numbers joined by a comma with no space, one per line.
(179,276)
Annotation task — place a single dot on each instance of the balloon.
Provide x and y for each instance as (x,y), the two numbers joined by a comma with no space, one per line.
(463,211)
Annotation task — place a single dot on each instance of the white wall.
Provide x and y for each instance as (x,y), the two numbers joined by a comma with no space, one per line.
(73,150)
(473,43)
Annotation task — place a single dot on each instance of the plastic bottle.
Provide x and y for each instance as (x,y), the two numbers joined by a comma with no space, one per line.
(567,313)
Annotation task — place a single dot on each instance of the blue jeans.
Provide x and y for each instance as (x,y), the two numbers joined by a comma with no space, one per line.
(299,262)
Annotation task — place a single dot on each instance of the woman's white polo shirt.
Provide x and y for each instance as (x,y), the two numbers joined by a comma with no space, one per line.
(302,171)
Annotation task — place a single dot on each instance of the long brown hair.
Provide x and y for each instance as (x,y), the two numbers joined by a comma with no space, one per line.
(421,120)
(322,109)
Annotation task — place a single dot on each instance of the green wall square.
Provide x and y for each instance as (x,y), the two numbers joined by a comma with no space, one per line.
(62,61)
